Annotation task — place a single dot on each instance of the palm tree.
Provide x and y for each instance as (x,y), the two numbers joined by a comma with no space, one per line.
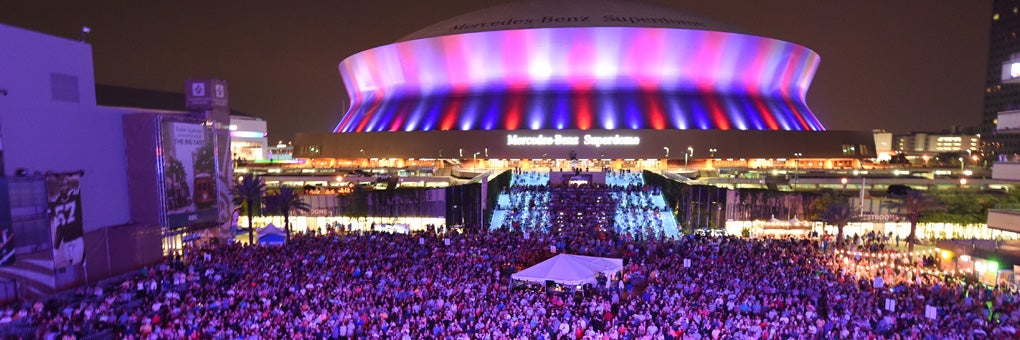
(248,191)
(912,206)
(285,201)
(839,213)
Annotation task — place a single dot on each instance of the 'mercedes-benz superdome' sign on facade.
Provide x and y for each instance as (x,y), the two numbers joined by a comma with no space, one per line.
(569,140)
(519,15)
(603,20)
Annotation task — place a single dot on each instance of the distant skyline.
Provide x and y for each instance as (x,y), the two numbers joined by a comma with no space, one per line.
(899,65)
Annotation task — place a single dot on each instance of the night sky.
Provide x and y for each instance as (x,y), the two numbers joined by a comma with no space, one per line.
(896,65)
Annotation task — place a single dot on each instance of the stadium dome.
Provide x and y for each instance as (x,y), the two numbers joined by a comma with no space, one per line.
(567,13)
(584,65)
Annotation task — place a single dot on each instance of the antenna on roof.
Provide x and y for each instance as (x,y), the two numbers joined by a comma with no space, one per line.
(84,33)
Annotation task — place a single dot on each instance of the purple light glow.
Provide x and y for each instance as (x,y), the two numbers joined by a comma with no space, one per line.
(581,78)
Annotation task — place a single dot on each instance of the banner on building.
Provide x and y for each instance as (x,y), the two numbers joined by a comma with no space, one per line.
(64,210)
(7,256)
(189,168)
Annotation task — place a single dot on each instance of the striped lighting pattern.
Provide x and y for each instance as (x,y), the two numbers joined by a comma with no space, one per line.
(581,78)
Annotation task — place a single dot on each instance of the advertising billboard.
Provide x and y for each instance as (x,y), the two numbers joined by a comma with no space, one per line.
(189,167)
(1011,70)
(64,210)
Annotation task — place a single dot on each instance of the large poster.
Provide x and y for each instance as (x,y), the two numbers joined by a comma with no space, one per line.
(189,166)
(64,210)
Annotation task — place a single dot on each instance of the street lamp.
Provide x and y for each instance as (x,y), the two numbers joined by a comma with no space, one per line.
(796,168)
(667,151)
(843,180)
(963,182)
(687,155)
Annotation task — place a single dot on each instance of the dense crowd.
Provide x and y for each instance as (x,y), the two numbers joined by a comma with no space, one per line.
(416,286)
(622,205)
(340,284)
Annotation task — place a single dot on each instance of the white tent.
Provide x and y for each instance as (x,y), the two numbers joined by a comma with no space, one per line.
(271,235)
(569,269)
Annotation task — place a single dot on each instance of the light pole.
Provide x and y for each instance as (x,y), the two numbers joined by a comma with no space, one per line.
(667,151)
(961,165)
(843,180)
(687,155)
(796,169)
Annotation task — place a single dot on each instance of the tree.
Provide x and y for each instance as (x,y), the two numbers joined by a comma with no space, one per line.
(912,206)
(839,213)
(248,191)
(820,202)
(285,201)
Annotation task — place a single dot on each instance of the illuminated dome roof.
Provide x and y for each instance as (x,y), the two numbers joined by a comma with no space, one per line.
(629,66)
(569,13)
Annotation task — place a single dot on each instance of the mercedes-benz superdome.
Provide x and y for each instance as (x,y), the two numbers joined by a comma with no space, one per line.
(597,68)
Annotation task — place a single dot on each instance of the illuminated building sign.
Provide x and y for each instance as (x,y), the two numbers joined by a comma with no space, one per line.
(597,141)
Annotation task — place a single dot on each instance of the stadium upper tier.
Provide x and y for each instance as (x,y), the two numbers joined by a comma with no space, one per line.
(584,65)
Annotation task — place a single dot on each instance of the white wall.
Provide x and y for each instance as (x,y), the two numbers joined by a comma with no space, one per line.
(40,133)
(1006,171)
(1008,121)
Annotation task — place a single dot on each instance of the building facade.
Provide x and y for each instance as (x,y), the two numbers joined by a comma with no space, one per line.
(1001,91)
(597,80)
(75,173)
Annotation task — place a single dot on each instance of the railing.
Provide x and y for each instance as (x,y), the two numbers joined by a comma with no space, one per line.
(1007,206)
(17,329)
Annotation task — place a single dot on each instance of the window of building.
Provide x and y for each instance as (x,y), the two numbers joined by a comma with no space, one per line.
(311,150)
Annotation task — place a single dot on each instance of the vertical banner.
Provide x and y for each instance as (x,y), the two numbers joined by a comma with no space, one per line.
(7,256)
(210,99)
(64,210)
(189,165)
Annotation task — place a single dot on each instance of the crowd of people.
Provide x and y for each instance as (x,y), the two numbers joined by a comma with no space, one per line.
(342,284)
(525,207)
(641,212)
(622,204)
(456,286)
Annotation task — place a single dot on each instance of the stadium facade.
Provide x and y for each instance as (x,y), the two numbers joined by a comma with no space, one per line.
(595,79)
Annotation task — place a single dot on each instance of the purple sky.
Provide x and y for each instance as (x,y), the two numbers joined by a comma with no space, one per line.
(895,65)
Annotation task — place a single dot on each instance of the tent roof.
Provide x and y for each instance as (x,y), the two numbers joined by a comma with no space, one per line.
(569,269)
(271,230)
